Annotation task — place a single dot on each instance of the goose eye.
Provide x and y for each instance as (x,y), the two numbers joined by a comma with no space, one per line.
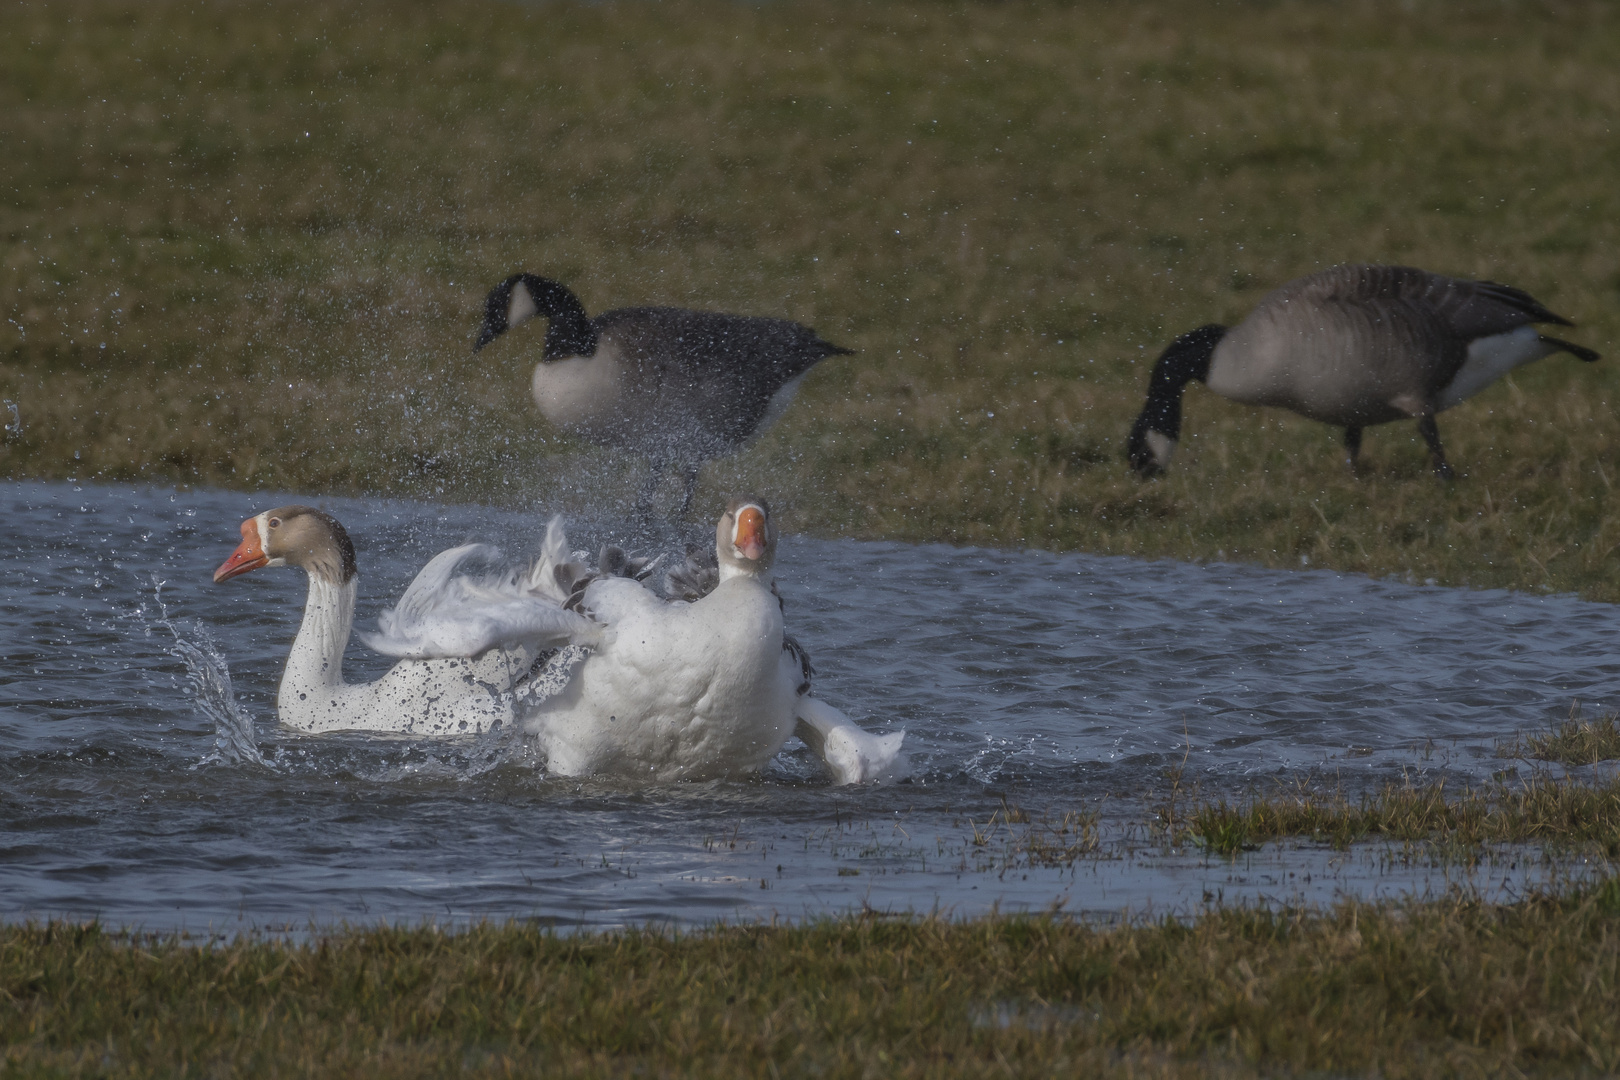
(275,523)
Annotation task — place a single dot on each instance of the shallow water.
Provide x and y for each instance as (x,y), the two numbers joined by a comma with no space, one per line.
(1050,683)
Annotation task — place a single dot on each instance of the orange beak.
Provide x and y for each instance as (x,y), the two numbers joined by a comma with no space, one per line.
(750,537)
(249,554)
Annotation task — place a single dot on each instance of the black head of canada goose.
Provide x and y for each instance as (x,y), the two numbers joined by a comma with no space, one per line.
(677,385)
(1351,346)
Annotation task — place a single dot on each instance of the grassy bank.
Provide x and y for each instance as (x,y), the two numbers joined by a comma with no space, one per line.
(1540,811)
(1575,741)
(247,244)
(1447,988)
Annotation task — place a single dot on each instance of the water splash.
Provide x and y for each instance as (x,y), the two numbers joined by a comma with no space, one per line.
(209,678)
(992,761)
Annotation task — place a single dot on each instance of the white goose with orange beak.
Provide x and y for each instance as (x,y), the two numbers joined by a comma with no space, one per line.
(692,691)
(664,691)
(470,642)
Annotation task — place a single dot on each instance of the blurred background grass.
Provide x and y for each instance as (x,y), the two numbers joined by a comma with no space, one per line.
(247,244)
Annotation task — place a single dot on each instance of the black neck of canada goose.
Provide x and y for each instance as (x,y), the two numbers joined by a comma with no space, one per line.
(523,296)
(1156,430)
(295,535)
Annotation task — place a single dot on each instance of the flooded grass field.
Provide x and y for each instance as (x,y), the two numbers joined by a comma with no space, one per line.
(1298,804)
(1065,715)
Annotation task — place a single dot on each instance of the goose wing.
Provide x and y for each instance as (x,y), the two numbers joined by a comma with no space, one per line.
(1476,309)
(722,369)
(445,613)
(695,577)
(1449,314)
(1461,309)
(1405,322)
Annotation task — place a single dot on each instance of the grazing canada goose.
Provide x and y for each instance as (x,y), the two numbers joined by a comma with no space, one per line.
(679,386)
(1353,345)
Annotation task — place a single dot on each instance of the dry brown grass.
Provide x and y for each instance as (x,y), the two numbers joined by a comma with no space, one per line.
(279,221)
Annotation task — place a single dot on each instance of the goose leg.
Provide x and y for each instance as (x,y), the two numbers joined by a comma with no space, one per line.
(690,473)
(1431,435)
(1352,448)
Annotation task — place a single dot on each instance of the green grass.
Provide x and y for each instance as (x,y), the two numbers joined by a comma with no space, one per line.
(247,244)
(240,240)
(1453,987)
(1539,811)
(1576,741)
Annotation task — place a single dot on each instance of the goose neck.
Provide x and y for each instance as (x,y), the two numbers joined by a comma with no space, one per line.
(1187,358)
(568,331)
(316,659)
(729,570)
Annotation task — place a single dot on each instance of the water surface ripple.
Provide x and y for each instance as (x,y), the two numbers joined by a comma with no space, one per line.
(1053,683)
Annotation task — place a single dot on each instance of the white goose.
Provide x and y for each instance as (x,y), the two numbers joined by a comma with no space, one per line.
(692,690)
(666,690)
(459,679)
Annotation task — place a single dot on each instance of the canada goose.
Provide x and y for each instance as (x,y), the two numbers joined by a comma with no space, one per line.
(1353,345)
(679,386)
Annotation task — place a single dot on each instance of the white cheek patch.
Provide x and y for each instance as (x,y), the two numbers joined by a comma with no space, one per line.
(521,307)
(262,521)
(1161,446)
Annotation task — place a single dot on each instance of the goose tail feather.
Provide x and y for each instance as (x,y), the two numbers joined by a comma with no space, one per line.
(852,754)
(1579,352)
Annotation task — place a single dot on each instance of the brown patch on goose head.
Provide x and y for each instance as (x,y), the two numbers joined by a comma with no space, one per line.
(293,536)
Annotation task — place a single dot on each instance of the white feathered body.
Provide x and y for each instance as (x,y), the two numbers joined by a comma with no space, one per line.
(643,688)
(674,691)
(432,697)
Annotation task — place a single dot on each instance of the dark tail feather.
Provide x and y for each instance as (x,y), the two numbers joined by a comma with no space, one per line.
(1579,352)
(1534,309)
